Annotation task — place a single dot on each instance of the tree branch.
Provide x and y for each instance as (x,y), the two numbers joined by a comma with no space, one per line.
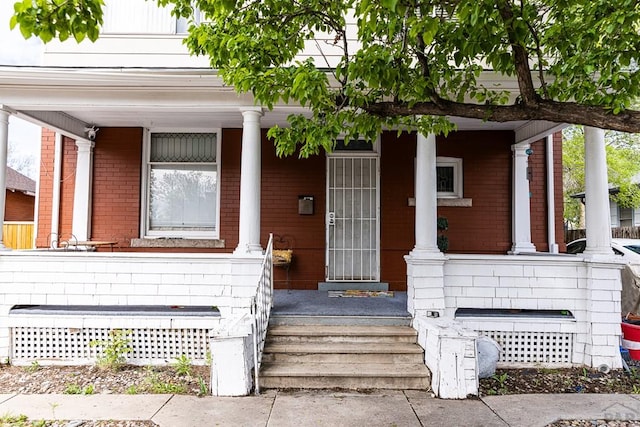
(559,112)
(520,57)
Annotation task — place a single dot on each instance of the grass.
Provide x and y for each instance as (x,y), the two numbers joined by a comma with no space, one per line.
(20,421)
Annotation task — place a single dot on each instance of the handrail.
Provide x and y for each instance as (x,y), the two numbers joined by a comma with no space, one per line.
(261,309)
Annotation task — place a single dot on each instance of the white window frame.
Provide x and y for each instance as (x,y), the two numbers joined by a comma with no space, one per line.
(146,175)
(630,218)
(458,184)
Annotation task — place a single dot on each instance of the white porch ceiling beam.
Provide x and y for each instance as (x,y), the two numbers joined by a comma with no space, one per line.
(60,122)
(536,130)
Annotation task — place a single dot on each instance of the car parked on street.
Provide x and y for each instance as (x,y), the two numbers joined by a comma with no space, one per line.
(627,248)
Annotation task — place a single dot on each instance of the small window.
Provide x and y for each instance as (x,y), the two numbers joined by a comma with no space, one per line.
(182,185)
(354,145)
(182,24)
(626,217)
(449,177)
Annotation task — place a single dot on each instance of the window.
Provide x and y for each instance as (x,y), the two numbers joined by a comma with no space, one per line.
(449,177)
(137,17)
(182,185)
(626,217)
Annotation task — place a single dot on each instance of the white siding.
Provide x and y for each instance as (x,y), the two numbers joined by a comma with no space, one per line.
(137,17)
(615,218)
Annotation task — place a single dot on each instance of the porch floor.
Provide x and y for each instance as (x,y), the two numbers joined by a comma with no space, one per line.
(318,303)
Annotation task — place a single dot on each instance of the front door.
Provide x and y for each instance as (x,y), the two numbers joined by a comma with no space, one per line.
(352,218)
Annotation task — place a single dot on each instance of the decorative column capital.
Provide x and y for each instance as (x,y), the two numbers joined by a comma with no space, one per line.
(4,115)
(85,145)
(250,112)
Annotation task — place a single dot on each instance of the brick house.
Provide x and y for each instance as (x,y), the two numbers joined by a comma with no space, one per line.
(174,169)
(20,197)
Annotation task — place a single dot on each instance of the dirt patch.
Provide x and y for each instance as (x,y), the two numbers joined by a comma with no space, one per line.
(93,380)
(570,380)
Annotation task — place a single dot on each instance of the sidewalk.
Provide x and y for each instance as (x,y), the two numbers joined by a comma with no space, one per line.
(326,408)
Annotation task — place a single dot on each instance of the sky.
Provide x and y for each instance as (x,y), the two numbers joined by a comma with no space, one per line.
(24,137)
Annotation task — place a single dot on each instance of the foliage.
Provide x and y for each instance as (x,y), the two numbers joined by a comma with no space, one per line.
(114,350)
(182,365)
(155,385)
(54,18)
(203,389)
(21,162)
(76,389)
(35,366)
(442,240)
(403,64)
(623,163)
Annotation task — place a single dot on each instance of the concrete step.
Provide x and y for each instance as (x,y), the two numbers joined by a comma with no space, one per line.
(346,286)
(291,319)
(349,357)
(347,376)
(350,352)
(326,333)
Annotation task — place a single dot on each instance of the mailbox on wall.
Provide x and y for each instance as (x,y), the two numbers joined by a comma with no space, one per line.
(305,205)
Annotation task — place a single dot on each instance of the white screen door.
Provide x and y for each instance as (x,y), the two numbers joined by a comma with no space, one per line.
(352,219)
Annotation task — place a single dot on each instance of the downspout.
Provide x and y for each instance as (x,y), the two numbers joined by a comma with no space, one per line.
(551,192)
(54,238)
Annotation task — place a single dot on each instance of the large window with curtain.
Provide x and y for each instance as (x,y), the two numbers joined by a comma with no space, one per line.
(183,185)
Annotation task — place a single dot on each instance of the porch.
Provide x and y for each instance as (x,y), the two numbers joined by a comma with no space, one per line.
(586,289)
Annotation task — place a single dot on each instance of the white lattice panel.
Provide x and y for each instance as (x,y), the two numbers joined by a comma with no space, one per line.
(533,347)
(72,345)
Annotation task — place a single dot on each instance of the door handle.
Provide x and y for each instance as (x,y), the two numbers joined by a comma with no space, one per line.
(331,219)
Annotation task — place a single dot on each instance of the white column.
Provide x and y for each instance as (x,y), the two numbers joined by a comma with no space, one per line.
(4,143)
(520,209)
(426,230)
(551,197)
(81,226)
(250,176)
(597,214)
(54,238)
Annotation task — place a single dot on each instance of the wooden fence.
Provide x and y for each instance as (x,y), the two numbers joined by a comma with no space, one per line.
(18,234)
(617,232)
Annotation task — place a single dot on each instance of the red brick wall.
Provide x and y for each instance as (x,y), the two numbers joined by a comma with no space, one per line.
(19,206)
(538,187)
(483,228)
(45,198)
(67,177)
(486,226)
(538,191)
(559,200)
(117,160)
(397,217)
(283,180)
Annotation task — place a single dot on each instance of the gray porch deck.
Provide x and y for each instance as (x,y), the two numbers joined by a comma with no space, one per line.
(299,306)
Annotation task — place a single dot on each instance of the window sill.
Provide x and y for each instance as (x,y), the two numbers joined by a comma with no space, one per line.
(452,202)
(459,203)
(177,243)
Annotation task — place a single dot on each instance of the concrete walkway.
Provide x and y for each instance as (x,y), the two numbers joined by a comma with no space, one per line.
(326,408)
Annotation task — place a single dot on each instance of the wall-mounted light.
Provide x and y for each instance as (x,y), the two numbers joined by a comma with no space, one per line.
(528,151)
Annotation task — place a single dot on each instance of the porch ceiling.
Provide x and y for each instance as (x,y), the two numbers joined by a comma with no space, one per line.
(151,98)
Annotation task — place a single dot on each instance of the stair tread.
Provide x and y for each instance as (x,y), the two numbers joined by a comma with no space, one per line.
(315,330)
(383,370)
(343,347)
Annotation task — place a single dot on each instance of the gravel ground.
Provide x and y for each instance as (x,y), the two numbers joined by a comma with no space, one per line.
(93,380)
(145,380)
(571,380)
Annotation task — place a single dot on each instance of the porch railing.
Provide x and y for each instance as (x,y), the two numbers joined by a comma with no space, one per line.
(261,309)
